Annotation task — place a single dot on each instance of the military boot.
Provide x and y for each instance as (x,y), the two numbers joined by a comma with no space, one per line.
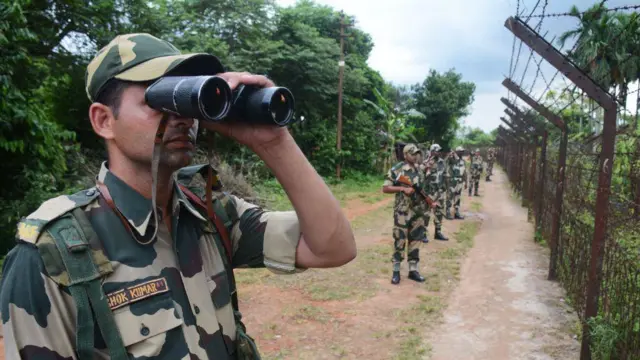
(440,236)
(395,278)
(488,179)
(425,239)
(447,215)
(415,276)
(458,215)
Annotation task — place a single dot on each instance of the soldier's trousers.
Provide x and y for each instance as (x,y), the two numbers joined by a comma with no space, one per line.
(453,195)
(490,168)
(408,227)
(438,211)
(475,182)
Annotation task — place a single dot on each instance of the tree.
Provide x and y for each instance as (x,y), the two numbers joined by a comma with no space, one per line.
(607,46)
(443,99)
(471,138)
(395,128)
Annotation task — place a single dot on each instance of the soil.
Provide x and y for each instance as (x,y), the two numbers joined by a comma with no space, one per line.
(503,307)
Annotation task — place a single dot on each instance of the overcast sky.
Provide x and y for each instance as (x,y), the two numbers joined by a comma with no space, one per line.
(412,36)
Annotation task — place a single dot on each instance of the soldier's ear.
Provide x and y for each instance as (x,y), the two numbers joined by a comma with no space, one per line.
(102,119)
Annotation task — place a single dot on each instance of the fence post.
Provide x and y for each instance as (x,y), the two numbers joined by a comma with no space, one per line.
(543,170)
(557,121)
(608,103)
(556,250)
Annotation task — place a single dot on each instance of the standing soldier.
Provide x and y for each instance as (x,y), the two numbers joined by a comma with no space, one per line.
(408,213)
(458,177)
(491,156)
(435,173)
(476,172)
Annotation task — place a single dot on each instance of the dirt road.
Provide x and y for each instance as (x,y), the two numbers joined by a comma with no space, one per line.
(504,308)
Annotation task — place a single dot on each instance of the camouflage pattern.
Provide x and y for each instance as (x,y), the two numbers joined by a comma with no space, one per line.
(457,169)
(171,298)
(477,165)
(408,214)
(491,157)
(142,57)
(436,176)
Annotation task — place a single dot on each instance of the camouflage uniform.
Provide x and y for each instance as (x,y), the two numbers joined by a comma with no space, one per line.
(491,157)
(171,296)
(476,172)
(408,216)
(437,191)
(458,176)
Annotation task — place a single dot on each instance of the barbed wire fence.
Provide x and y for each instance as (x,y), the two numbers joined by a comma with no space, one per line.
(571,149)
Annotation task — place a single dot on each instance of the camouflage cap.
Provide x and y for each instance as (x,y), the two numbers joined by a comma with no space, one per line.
(411,149)
(143,57)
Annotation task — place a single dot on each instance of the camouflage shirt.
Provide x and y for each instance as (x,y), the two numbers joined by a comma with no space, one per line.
(436,176)
(404,202)
(170,298)
(457,168)
(491,156)
(476,164)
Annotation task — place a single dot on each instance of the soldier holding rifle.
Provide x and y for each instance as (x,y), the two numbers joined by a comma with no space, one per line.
(406,181)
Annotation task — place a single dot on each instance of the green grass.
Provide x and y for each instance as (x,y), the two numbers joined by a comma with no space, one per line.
(476,206)
(355,280)
(417,319)
(364,187)
(373,218)
(305,313)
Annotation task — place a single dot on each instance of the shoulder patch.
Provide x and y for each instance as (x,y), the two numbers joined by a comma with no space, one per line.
(30,227)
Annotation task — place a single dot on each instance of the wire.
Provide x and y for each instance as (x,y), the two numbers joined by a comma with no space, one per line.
(627,7)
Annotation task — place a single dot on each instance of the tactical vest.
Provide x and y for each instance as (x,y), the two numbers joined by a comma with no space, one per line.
(72,263)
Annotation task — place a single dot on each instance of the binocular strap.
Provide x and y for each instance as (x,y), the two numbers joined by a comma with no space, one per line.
(155,163)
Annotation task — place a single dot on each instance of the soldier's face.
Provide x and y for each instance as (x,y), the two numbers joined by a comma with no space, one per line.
(132,133)
(412,158)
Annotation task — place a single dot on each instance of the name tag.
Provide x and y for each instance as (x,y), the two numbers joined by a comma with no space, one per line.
(138,292)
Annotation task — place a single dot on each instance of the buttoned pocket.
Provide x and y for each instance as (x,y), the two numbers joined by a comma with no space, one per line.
(146,327)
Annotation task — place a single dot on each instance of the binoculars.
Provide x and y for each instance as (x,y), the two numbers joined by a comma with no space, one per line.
(209,98)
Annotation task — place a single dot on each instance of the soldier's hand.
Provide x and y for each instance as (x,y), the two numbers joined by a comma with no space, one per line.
(408,191)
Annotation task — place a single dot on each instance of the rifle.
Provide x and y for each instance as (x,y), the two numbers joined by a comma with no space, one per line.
(404,181)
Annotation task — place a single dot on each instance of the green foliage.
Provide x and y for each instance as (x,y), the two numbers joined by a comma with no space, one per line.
(607,46)
(474,138)
(444,99)
(603,339)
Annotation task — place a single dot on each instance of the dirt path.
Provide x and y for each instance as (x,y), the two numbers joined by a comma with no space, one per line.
(504,308)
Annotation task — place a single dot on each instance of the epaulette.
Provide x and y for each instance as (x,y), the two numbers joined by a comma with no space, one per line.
(30,227)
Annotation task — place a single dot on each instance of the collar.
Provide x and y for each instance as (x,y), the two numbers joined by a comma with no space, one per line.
(136,208)
(406,167)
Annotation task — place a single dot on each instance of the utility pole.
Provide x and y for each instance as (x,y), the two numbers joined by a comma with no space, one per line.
(340,80)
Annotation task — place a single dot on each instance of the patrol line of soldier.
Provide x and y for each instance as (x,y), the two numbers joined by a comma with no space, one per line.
(442,176)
